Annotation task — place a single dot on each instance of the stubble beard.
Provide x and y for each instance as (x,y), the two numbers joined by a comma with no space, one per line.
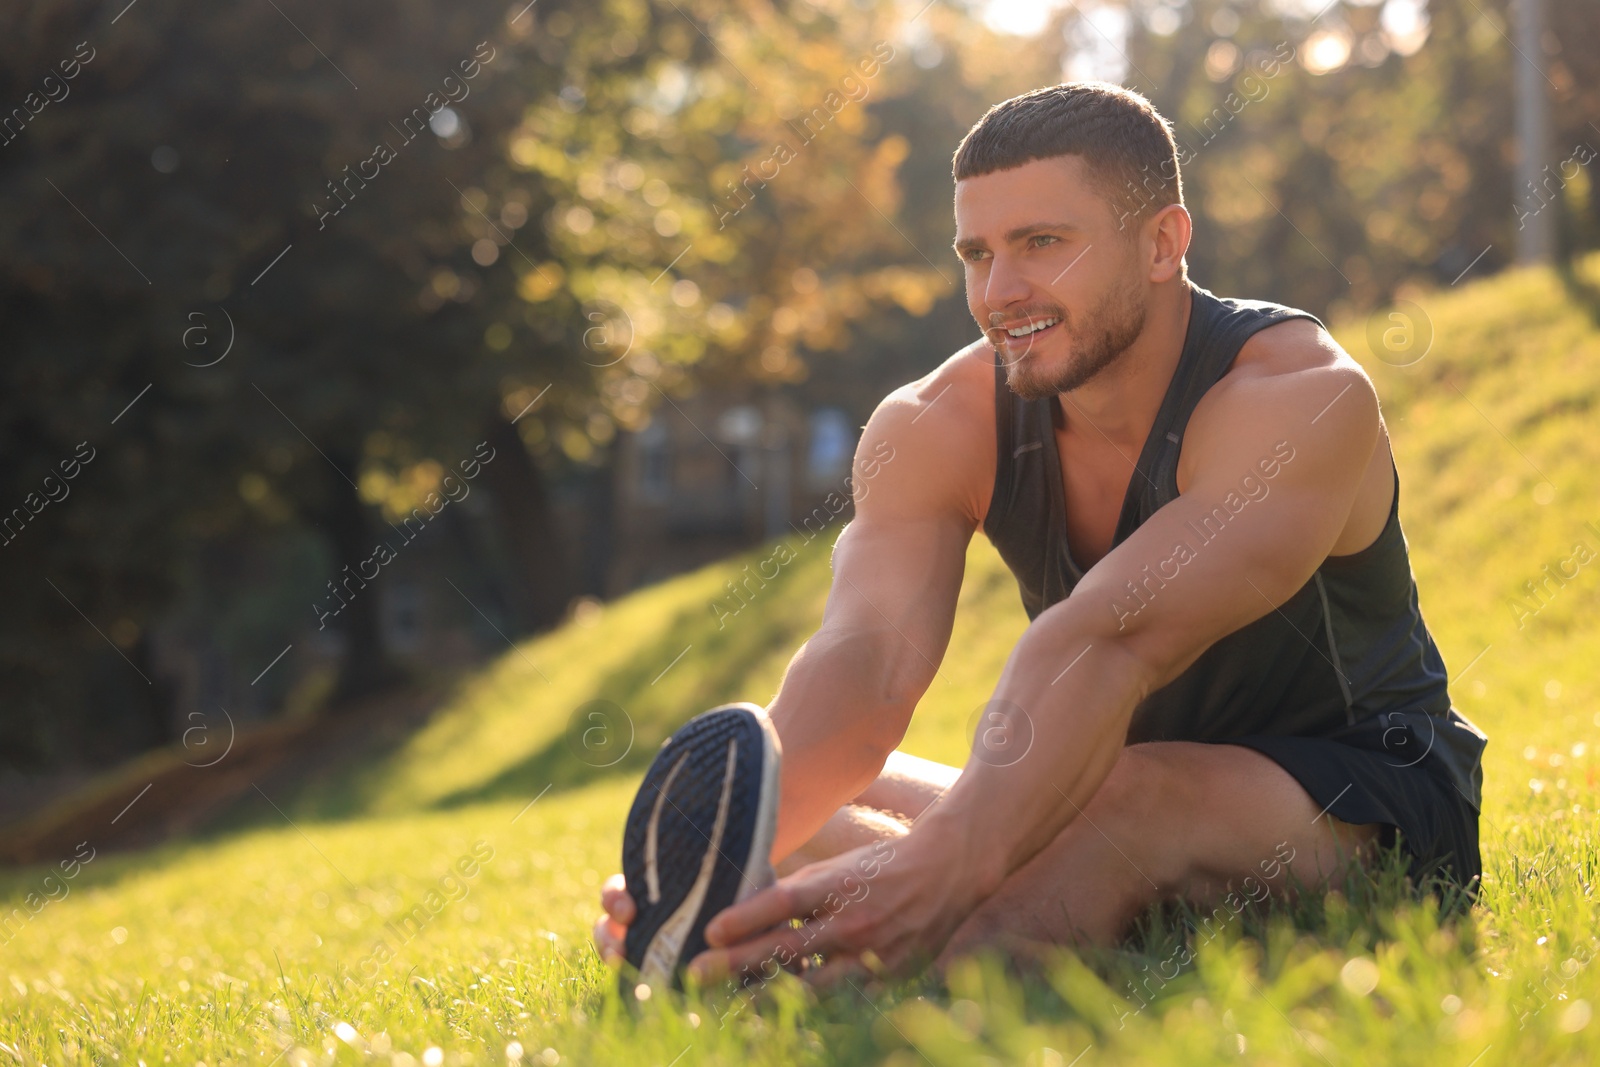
(1095,344)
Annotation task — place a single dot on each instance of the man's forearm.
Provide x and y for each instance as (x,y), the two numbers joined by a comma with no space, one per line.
(1001,812)
(843,706)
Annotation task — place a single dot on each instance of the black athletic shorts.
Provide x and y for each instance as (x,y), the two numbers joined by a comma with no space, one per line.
(1355,778)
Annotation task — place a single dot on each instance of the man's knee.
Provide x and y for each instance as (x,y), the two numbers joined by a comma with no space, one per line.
(1198,817)
(1143,808)
(1333,851)
(850,827)
(907,784)
(1150,784)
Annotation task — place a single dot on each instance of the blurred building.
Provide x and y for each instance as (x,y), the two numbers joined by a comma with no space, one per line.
(712,474)
(716,473)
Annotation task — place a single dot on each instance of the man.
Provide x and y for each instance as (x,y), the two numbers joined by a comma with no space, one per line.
(1226,678)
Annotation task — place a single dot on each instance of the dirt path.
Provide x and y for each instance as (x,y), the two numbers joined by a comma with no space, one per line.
(172,792)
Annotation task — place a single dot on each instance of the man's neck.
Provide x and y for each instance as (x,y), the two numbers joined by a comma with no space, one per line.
(1120,405)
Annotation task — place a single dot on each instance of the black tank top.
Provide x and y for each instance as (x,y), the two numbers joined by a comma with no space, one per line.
(1348,653)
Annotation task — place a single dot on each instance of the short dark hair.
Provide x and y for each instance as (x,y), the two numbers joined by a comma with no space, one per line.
(1123,140)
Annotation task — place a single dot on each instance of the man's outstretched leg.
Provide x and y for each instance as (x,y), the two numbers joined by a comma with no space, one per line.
(885,809)
(1175,820)
(1216,825)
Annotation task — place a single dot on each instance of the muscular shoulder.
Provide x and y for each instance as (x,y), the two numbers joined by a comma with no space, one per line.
(940,431)
(1292,373)
(1291,347)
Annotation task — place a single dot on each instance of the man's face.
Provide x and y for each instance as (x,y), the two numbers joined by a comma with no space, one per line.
(1051,280)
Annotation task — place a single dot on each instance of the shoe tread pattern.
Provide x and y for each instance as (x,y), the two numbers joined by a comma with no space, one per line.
(687,822)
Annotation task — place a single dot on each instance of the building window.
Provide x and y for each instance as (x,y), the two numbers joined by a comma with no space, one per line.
(655,463)
(740,427)
(831,444)
(403,600)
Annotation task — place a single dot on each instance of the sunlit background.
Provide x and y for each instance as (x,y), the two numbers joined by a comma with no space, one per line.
(412,412)
(395,335)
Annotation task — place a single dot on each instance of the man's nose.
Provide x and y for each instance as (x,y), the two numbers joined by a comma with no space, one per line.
(1006,286)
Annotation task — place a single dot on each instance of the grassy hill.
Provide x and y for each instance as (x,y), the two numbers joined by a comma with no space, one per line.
(439,896)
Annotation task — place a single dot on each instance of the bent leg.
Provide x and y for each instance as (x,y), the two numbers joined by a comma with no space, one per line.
(1206,823)
(908,785)
(885,809)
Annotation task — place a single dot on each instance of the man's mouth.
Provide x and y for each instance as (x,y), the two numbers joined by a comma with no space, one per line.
(1021,332)
(1033,327)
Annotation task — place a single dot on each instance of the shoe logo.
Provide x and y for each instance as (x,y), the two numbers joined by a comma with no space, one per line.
(652,875)
(661,957)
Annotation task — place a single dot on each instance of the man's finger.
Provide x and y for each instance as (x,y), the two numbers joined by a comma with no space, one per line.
(614,897)
(761,957)
(608,939)
(788,898)
(837,971)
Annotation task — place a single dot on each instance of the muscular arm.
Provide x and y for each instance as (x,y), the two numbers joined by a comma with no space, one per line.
(1298,416)
(921,482)
(849,693)
(996,818)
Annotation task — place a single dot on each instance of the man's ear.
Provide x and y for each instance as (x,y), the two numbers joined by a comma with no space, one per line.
(1170,230)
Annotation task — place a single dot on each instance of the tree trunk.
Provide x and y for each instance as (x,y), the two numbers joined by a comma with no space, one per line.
(542,579)
(366,667)
(159,697)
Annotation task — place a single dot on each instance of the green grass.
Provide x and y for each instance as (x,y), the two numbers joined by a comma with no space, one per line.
(257,942)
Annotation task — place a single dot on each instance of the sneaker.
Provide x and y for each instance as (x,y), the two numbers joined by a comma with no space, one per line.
(699,835)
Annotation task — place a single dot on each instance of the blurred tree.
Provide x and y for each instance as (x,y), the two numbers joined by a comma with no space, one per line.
(577,213)
(1572,47)
(722,205)
(310,191)
(211,182)
(1379,153)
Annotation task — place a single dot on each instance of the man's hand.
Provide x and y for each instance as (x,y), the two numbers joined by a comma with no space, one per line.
(612,927)
(879,907)
(884,906)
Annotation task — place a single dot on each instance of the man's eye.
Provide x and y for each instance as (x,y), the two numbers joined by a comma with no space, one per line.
(973,255)
(1042,239)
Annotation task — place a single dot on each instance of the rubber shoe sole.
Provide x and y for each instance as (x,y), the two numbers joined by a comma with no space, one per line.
(699,835)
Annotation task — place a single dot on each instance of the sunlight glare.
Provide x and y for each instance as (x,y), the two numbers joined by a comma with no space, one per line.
(1021,18)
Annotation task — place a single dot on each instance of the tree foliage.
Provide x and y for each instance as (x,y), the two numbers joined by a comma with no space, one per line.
(374,212)
(413,228)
